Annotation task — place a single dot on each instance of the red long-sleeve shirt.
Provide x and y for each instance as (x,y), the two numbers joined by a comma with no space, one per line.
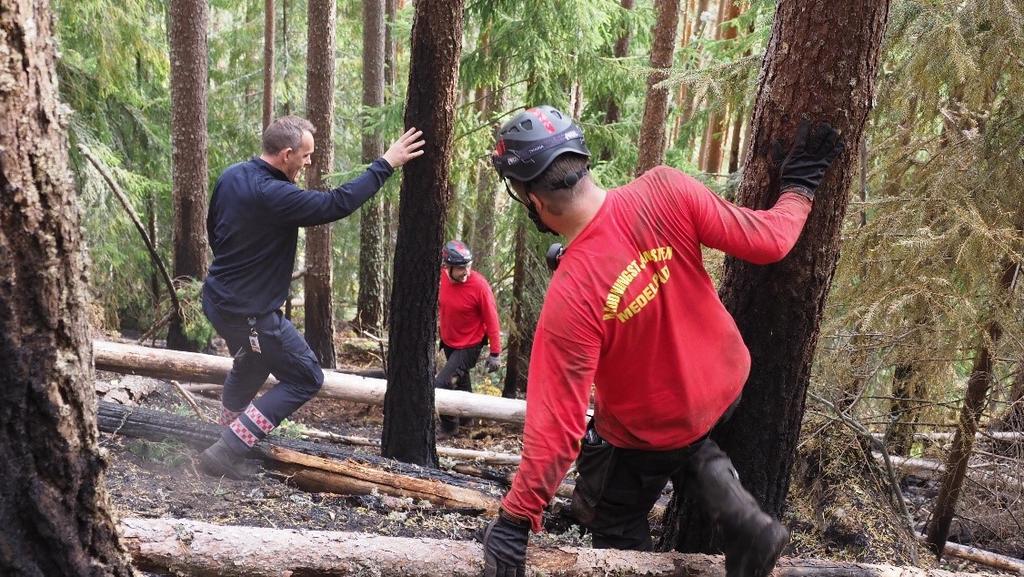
(632,311)
(466,311)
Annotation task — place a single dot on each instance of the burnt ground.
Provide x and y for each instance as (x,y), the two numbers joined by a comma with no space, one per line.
(151,479)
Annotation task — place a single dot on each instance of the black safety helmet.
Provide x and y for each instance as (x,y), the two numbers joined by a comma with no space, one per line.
(456,253)
(531,141)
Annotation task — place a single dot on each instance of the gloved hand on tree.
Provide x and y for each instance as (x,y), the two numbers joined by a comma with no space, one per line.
(505,546)
(814,148)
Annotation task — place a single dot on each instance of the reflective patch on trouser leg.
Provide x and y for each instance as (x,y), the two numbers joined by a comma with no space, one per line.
(258,419)
(243,433)
(226,416)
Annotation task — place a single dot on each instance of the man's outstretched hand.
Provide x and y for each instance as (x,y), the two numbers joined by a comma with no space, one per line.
(407,147)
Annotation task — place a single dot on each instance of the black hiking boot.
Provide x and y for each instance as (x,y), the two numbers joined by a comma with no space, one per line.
(756,556)
(220,460)
(753,540)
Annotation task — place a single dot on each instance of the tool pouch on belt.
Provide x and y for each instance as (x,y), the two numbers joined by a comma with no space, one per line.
(593,466)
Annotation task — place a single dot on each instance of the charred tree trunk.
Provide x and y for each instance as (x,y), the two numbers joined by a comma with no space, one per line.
(430,106)
(319,306)
(901,409)
(370,303)
(978,386)
(821,61)
(518,342)
(652,128)
(55,518)
(268,62)
(187,39)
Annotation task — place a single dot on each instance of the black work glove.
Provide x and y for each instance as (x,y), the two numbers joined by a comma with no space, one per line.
(813,150)
(493,362)
(505,546)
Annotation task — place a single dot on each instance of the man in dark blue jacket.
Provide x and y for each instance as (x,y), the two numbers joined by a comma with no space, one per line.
(253,224)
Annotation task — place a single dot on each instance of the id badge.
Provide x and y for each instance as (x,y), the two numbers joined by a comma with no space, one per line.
(254,341)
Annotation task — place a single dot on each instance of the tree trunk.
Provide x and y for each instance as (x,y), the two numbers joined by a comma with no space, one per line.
(652,128)
(978,385)
(714,137)
(187,38)
(518,342)
(430,106)
(737,136)
(389,217)
(613,113)
(486,200)
(319,306)
(55,518)
(202,549)
(901,409)
(370,303)
(1013,418)
(268,62)
(821,61)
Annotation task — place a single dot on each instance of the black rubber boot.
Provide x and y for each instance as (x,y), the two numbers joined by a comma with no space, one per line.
(753,540)
(220,460)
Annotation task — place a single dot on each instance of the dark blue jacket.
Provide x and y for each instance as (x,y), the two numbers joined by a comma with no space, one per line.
(253,226)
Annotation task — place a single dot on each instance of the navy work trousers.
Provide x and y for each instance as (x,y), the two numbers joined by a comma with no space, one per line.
(455,375)
(283,353)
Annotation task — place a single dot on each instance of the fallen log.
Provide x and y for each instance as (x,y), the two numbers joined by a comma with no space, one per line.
(313,466)
(356,478)
(205,550)
(197,367)
(1004,436)
(927,467)
(980,556)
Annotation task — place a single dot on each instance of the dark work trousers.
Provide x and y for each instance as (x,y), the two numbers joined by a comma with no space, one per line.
(617,488)
(284,354)
(455,376)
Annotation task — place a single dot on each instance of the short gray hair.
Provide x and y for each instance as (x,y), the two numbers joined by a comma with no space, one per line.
(285,132)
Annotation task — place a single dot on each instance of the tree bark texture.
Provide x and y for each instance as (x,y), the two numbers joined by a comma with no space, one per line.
(652,127)
(319,306)
(821,61)
(370,302)
(55,518)
(206,550)
(196,367)
(188,21)
(268,62)
(430,106)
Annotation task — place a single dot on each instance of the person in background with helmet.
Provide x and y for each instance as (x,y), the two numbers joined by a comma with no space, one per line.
(469,319)
(631,310)
(253,224)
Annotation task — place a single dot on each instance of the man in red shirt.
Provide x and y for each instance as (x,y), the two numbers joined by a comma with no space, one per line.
(632,312)
(469,320)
